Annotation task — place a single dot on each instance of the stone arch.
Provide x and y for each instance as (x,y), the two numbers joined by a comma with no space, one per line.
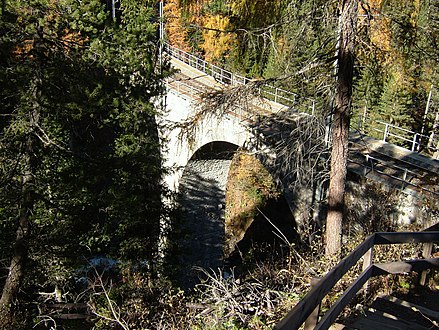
(178,146)
(181,150)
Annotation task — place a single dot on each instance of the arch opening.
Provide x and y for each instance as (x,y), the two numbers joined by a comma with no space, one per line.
(201,229)
(215,150)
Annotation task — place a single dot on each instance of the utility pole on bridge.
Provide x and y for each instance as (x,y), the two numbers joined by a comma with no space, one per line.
(161,32)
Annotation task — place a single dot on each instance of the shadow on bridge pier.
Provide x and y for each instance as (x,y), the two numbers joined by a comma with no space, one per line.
(198,234)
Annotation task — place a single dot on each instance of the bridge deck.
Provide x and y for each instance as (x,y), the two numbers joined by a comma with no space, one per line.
(393,165)
(193,74)
(385,148)
(204,82)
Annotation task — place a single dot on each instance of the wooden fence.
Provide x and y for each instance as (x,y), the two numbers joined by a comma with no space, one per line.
(306,309)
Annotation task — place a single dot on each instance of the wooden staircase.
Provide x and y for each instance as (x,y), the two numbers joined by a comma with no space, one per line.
(389,312)
(383,313)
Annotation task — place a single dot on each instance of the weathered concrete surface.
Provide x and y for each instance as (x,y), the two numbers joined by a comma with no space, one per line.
(179,145)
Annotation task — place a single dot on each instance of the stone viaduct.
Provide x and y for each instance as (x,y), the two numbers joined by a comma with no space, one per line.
(198,150)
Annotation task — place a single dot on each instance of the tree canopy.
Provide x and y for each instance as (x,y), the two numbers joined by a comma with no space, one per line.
(80,163)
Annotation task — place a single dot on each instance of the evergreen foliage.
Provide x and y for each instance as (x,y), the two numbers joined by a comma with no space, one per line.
(397,55)
(303,51)
(77,117)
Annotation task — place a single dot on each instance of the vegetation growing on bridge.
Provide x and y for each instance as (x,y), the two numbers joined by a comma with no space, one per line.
(249,187)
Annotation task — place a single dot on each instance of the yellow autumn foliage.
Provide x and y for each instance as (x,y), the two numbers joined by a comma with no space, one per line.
(218,41)
(381,35)
(381,31)
(175,31)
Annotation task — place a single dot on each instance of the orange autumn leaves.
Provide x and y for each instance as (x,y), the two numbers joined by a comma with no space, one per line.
(215,38)
(217,44)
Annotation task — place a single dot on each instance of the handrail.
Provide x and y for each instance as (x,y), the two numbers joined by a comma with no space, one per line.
(272,93)
(414,139)
(182,88)
(299,314)
(390,166)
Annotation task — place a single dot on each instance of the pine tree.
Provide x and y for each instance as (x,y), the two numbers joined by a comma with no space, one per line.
(303,50)
(79,149)
(368,89)
(340,126)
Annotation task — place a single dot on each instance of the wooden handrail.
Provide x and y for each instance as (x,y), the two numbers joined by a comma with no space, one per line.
(298,315)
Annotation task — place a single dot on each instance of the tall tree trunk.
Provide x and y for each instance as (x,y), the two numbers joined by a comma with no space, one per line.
(16,269)
(340,125)
(20,249)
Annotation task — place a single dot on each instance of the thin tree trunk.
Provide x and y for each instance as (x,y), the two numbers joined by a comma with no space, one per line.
(20,249)
(340,126)
(16,269)
(431,140)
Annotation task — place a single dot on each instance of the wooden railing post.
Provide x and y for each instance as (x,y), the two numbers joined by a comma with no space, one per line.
(367,262)
(368,259)
(426,253)
(313,318)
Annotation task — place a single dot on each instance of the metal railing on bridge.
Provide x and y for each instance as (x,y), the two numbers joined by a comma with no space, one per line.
(272,93)
(184,89)
(397,135)
(404,137)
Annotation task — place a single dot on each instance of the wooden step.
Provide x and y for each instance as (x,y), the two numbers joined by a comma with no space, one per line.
(339,326)
(424,310)
(388,312)
(374,319)
(400,311)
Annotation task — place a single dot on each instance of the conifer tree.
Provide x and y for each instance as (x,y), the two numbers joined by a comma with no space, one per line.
(340,126)
(80,163)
